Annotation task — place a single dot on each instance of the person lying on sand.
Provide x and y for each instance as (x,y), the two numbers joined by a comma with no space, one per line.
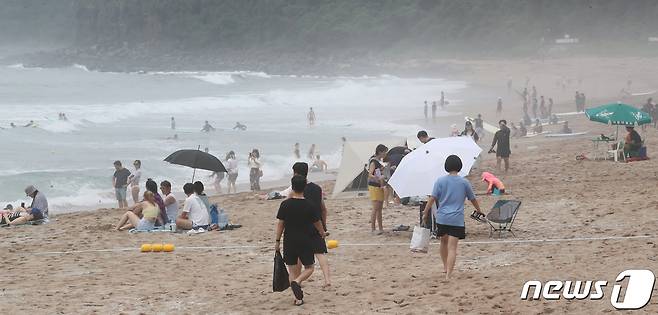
(493,182)
(295,216)
(149,210)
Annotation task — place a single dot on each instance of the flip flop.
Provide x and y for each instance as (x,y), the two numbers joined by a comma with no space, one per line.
(297,290)
(298,302)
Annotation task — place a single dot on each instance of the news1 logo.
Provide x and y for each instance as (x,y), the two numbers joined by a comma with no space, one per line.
(637,292)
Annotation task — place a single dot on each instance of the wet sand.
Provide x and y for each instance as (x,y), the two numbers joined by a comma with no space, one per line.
(78,264)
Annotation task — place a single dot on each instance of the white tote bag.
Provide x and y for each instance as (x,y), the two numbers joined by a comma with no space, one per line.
(420,241)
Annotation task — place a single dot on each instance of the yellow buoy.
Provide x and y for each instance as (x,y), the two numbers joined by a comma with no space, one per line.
(168,248)
(331,244)
(146,248)
(157,247)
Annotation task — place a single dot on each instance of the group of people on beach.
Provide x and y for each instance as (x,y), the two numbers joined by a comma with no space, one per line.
(35,213)
(441,103)
(159,210)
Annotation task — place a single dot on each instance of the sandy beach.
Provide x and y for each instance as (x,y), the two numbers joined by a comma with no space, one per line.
(579,220)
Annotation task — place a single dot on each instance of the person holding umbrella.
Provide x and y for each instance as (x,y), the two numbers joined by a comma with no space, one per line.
(449,193)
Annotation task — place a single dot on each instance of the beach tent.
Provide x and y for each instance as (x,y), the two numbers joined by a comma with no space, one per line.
(352,175)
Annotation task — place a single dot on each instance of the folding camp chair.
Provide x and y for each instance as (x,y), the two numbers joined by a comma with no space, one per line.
(502,215)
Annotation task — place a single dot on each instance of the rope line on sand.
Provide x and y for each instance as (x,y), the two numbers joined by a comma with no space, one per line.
(548,240)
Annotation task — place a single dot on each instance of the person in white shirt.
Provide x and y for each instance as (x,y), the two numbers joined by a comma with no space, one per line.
(232,168)
(133,180)
(170,202)
(194,214)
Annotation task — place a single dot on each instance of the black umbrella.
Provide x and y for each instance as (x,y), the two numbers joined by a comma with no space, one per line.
(398,150)
(196,159)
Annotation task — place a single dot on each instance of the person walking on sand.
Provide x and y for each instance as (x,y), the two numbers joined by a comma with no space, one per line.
(313,194)
(499,106)
(376,185)
(535,107)
(120,183)
(311,117)
(173,123)
(255,172)
(232,170)
(449,193)
(134,180)
(442,102)
(296,217)
(501,138)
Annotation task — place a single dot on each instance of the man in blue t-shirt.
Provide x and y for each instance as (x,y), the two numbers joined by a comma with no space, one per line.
(449,193)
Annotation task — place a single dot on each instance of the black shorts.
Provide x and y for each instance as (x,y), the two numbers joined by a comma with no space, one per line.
(502,154)
(456,231)
(292,254)
(319,246)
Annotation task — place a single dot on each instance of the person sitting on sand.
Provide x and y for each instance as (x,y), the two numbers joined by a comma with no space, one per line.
(565,128)
(149,211)
(319,165)
(523,131)
(538,127)
(198,190)
(194,214)
(170,202)
(553,120)
(632,141)
(449,193)
(38,210)
(493,182)
(207,127)
(295,217)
